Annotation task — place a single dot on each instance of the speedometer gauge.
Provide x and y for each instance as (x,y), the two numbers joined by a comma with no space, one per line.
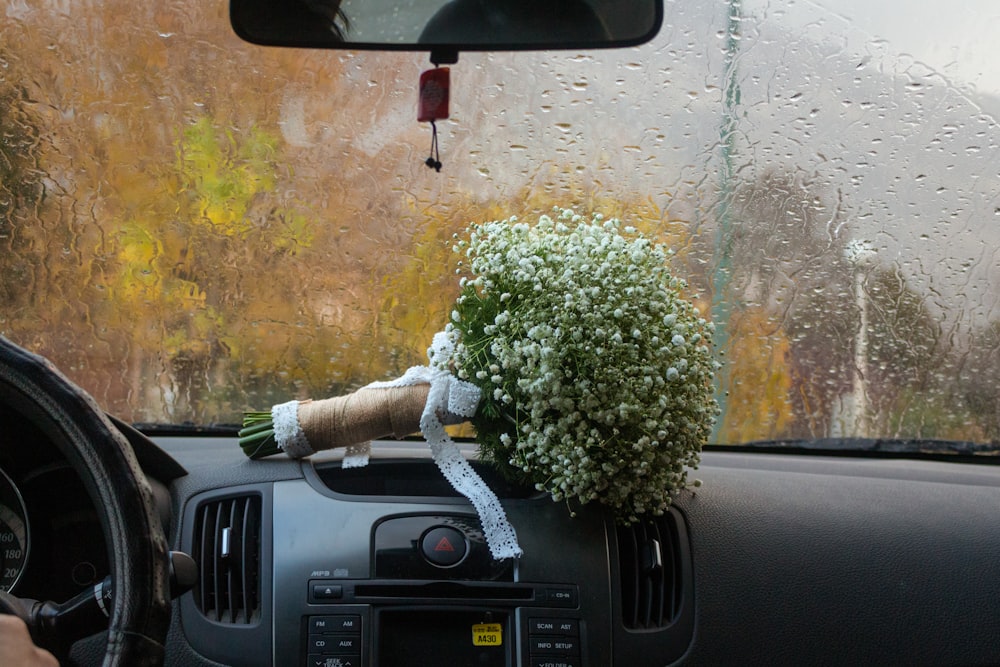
(13,533)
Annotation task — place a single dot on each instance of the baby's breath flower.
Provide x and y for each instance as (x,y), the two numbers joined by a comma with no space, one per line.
(563,326)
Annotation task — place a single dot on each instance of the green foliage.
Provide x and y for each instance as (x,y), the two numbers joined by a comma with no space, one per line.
(210,207)
(931,414)
(904,338)
(978,374)
(220,176)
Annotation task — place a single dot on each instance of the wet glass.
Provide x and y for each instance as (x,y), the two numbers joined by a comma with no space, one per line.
(191,226)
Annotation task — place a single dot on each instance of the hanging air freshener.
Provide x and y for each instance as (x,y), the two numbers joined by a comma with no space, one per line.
(434,84)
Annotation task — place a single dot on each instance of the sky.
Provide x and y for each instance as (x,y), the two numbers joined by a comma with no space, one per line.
(900,118)
(956,38)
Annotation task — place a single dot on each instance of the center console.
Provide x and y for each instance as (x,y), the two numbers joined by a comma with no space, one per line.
(395,581)
(385,566)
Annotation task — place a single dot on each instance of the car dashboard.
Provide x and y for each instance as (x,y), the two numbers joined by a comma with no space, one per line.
(777,558)
(193,225)
(385,565)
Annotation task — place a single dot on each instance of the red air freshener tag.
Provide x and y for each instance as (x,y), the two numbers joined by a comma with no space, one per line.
(433,95)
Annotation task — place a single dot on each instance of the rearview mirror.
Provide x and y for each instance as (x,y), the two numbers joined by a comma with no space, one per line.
(447,25)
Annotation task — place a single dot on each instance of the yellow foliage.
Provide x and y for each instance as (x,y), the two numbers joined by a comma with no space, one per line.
(223,173)
(138,282)
(418,298)
(760,382)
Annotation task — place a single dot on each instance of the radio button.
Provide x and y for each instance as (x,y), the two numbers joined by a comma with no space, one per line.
(563,646)
(334,624)
(320,592)
(554,626)
(560,596)
(444,546)
(334,644)
(333,660)
(554,661)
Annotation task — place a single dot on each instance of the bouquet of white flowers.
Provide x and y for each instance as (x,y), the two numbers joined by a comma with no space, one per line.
(571,351)
(596,375)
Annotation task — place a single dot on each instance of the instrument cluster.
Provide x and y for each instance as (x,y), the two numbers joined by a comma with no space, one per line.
(51,542)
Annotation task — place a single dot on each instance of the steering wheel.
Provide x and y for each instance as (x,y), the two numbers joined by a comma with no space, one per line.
(140,608)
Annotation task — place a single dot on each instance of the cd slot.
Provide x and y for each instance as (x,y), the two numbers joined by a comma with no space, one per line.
(408,591)
(441,590)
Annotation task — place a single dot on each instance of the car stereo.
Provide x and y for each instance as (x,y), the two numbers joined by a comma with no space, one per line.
(436,598)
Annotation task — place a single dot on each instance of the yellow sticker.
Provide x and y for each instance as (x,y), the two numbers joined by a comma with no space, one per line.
(487,634)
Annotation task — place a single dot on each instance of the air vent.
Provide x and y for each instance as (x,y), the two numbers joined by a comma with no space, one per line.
(227,550)
(650,567)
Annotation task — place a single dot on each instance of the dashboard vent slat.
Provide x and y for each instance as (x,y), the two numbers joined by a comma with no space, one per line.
(227,550)
(649,571)
(251,573)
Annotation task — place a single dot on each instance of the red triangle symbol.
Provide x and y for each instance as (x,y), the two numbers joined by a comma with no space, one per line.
(444,545)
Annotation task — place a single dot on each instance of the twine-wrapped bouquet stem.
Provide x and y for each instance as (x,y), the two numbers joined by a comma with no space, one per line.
(345,421)
(574,354)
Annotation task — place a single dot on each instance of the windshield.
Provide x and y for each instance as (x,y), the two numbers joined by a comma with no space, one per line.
(191,226)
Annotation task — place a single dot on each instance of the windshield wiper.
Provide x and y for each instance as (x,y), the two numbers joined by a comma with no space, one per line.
(884,446)
(186,428)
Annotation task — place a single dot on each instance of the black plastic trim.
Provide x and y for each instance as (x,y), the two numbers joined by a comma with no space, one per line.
(245,644)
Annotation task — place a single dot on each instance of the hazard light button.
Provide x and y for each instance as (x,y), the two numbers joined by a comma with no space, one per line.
(444,546)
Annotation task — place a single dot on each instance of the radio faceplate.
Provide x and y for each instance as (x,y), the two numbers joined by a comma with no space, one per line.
(374,560)
(409,637)
(431,636)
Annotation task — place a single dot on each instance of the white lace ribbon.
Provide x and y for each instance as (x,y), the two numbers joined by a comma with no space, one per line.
(450,396)
(450,399)
(288,432)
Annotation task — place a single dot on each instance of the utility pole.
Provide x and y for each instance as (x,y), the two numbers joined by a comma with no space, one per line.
(861,255)
(721,298)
